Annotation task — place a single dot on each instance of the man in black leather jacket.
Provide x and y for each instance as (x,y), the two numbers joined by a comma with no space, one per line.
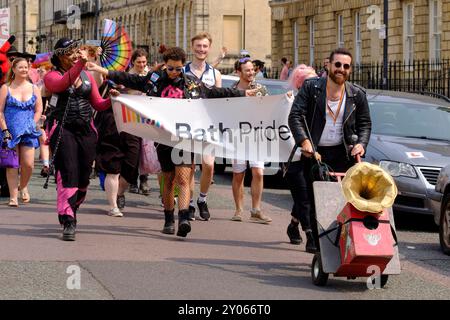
(338,118)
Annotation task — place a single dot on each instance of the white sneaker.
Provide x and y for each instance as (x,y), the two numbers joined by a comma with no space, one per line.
(115,212)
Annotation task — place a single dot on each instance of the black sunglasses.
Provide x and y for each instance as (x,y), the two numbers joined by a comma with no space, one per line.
(177,69)
(338,64)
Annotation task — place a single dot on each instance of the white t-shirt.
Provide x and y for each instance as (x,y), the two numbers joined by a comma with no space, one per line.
(333,133)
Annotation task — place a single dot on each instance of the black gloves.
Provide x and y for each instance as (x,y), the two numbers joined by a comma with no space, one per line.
(6,135)
(12,39)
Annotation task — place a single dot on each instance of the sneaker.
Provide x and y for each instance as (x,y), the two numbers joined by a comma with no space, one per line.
(310,242)
(133,188)
(45,171)
(294,233)
(191,213)
(259,217)
(237,216)
(115,212)
(144,188)
(121,202)
(203,210)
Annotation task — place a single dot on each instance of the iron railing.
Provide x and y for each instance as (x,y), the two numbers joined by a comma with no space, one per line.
(420,76)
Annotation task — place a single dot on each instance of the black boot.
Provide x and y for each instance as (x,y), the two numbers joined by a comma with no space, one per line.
(310,242)
(69,225)
(184,227)
(169,224)
(294,233)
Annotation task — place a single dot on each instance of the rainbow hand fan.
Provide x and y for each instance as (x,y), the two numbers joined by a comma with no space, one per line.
(116,47)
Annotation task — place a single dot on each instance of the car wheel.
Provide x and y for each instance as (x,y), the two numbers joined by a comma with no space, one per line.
(444,225)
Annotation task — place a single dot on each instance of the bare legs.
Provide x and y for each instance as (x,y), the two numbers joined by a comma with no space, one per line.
(26,164)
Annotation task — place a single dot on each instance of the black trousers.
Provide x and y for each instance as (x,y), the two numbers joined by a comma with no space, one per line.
(295,178)
(338,161)
(73,165)
(4,191)
(300,178)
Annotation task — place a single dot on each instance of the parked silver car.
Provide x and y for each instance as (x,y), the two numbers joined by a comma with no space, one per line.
(411,140)
(442,209)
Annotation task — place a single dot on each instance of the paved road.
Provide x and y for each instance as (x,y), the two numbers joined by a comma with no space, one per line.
(129,258)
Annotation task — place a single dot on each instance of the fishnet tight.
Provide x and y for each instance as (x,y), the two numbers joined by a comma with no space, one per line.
(181,176)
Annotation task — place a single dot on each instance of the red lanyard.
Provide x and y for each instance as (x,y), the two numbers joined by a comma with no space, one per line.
(334,117)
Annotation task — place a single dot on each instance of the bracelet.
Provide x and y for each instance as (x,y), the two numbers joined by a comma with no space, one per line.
(4,130)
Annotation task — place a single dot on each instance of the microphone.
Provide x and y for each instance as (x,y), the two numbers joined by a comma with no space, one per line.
(354,141)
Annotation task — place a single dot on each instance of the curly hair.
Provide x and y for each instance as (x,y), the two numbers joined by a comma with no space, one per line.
(175,54)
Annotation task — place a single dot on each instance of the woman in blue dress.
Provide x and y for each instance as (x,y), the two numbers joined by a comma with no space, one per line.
(20,111)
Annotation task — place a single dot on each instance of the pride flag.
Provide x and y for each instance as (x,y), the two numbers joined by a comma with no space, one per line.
(110,28)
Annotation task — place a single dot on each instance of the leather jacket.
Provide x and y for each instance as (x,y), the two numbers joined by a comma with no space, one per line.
(310,102)
(78,102)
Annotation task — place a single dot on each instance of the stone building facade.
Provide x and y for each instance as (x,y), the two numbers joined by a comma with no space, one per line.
(236,24)
(306,31)
(23,16)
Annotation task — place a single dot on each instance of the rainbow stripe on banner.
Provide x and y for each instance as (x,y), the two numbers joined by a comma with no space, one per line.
(130,116)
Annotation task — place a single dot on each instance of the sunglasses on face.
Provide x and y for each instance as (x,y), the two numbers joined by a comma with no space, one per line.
(70,53)
(177,69)
(338,65)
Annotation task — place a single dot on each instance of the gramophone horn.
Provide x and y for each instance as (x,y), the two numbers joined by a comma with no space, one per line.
(369,188)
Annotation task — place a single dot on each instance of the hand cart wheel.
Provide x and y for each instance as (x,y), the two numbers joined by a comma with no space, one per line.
(319,278)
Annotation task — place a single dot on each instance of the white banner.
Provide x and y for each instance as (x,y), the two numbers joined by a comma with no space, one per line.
(247,128)
(4,25)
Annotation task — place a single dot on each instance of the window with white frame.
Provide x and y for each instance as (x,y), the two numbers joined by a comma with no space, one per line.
(408,32)
(177,26)
(311,40)
(185,27)
(435,30)
(340,26)
(295,33)
(358,41)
